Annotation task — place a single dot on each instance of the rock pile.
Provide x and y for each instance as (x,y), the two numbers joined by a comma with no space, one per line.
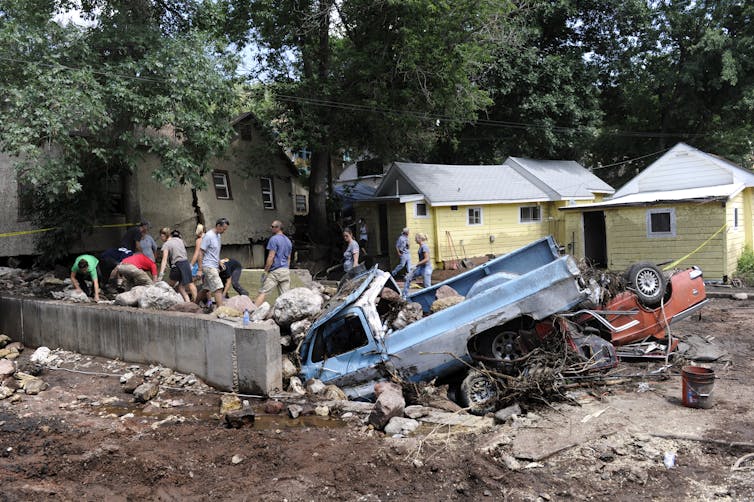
(13,381)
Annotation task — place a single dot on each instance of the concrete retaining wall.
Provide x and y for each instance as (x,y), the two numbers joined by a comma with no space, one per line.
(226,356)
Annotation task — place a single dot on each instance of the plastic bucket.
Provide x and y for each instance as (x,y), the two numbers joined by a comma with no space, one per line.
(697,383)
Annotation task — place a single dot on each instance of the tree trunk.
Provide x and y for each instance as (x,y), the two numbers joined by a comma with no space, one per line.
(318,195)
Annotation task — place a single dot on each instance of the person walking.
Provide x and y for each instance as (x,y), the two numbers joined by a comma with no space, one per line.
(423,268)
(174,254)
(230,274)
(363,236)
(402,246)
(351,254)
(209,262)
(277,267)
(85,268)
(198,236)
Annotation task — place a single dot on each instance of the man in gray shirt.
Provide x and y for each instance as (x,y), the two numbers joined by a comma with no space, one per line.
(209,260)
(404,253)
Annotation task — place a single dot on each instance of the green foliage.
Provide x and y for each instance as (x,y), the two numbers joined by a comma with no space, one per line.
(745,267)
(83,104)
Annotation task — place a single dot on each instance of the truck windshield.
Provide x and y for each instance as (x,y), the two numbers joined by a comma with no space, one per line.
(338,337)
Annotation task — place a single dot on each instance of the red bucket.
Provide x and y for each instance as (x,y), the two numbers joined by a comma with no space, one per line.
(697,383)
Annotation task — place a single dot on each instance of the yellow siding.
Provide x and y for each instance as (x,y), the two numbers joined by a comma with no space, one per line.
(735,236)
(627,240)
(396,221)
(573,239)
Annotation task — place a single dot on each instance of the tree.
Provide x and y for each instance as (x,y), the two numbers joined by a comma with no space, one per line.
(388,77)
(84,103)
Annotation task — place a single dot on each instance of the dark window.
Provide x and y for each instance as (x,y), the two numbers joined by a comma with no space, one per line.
(529,214)
(454,208)
(115,200)
(338,337)
(735,217)
(244,131)
(660,223)
(222,185)
(25,194)
(475,216)
(268,193)
(421,209)
(300,203)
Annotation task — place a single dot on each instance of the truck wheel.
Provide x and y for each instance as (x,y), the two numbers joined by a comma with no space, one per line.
(648,281)
(478,393)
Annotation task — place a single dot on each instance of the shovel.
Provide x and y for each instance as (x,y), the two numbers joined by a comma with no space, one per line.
(466,263)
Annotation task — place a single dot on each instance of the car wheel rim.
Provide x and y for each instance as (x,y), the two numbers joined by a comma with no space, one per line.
(481,390)
(504,346)
(647,282)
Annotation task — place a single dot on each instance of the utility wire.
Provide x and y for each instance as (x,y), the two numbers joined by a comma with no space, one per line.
(630,160)
(326,103)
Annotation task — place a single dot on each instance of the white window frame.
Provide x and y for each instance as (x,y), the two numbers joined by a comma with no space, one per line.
(527,221)
(225,185)
(268,194)
(296,201)
(655,235)
(416,210)
(468,216)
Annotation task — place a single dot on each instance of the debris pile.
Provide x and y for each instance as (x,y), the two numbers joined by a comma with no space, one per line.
(15,381)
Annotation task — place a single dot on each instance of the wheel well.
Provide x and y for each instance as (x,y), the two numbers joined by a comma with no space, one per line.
(480,340)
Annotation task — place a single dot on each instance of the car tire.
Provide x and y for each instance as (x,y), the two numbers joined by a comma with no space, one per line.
(648,282)
(478,392)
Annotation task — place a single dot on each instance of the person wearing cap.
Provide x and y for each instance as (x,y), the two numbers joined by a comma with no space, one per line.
(132,238)
(277,267)
(209,263)
(85,268)
(402,246)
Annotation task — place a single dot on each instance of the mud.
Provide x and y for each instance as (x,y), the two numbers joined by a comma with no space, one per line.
(84,439)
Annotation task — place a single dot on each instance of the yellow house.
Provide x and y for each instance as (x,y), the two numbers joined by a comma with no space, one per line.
(474,211)
(688,205)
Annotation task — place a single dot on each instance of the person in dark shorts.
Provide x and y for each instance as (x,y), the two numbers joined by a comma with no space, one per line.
(174,254)
(230,274)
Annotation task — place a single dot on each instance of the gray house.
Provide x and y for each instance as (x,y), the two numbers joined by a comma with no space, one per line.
(251,185)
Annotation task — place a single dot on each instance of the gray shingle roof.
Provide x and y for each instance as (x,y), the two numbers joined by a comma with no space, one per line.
(517,180)
(562,179)
(443,184)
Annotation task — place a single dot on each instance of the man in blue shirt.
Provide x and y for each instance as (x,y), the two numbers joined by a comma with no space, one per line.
(277,267)
(404,253)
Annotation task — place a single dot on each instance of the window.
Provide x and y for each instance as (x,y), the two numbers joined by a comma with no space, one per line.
(244,131)
(222,185)
(268,193)
(338,337)
(529,214)
(735,218)
(420,210)
(300,203)
(475,216)
(661,222)
(25,193)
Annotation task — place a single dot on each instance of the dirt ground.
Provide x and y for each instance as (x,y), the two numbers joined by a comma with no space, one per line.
(84,439)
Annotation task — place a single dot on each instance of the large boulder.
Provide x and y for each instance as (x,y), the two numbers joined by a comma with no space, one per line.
(130,298)
(401,425)
(289,369)
(160,296)
(443,303)
(296,304)
(240,303)
(71,295)
(299,329)
(261,313)
(446,292)
(187,308)
(7,368)
(412,312)
(390,403)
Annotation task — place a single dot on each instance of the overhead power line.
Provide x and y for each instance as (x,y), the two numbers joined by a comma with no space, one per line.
(328,103)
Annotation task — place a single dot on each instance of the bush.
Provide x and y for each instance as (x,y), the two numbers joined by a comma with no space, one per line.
(745,267)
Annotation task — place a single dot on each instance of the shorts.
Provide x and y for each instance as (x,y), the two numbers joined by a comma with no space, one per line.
(280,277)
(212,281)
(133,275)
(181,272)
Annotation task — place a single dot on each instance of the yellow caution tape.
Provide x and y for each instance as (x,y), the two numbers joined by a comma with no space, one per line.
(40,230)
(683,258)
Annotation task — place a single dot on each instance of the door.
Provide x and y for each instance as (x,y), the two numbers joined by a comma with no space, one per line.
(595,238)
(384,244)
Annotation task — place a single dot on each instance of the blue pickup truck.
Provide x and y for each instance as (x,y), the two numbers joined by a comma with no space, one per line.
(354,343)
